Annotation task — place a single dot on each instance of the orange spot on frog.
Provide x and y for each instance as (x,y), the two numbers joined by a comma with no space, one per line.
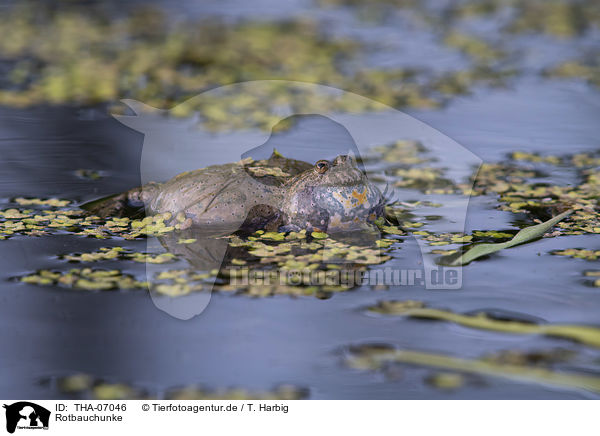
(362,198)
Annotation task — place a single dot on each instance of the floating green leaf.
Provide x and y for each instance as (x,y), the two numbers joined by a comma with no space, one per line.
(525,235)
(416,309)
(377,357)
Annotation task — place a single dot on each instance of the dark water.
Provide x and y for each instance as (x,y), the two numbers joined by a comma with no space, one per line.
(260,343)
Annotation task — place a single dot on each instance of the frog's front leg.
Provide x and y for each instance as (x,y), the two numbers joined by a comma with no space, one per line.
(262,216)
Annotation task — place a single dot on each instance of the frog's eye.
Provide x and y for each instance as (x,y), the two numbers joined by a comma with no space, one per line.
(322,166)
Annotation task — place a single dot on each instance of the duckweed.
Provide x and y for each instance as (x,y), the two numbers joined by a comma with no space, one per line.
(446,380)
(75,383)
(492,234)
(473,46)
(559,18)
(268,265)
(509,182)
(284,392)
(535,157)
(85,279)
(578,253)
(391,230)
(105,253)
(316,255)
(80,385)
(261,172)
(425,179)
(86,386)
(114,391)
(577,69)
(401,153)
(55,202)
(69,55)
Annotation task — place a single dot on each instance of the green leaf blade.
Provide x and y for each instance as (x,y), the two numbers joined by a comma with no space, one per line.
(525,235)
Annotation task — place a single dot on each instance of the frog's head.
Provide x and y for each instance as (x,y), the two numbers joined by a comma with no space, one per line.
(332,196)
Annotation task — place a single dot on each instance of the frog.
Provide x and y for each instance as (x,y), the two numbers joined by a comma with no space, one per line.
(274,194)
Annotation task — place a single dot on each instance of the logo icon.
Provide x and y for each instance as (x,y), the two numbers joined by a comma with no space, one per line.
(26,415)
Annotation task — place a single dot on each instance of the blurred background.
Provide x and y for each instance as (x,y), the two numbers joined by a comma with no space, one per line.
(498,76)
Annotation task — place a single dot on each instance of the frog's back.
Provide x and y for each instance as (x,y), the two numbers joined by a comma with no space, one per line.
(224,195)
